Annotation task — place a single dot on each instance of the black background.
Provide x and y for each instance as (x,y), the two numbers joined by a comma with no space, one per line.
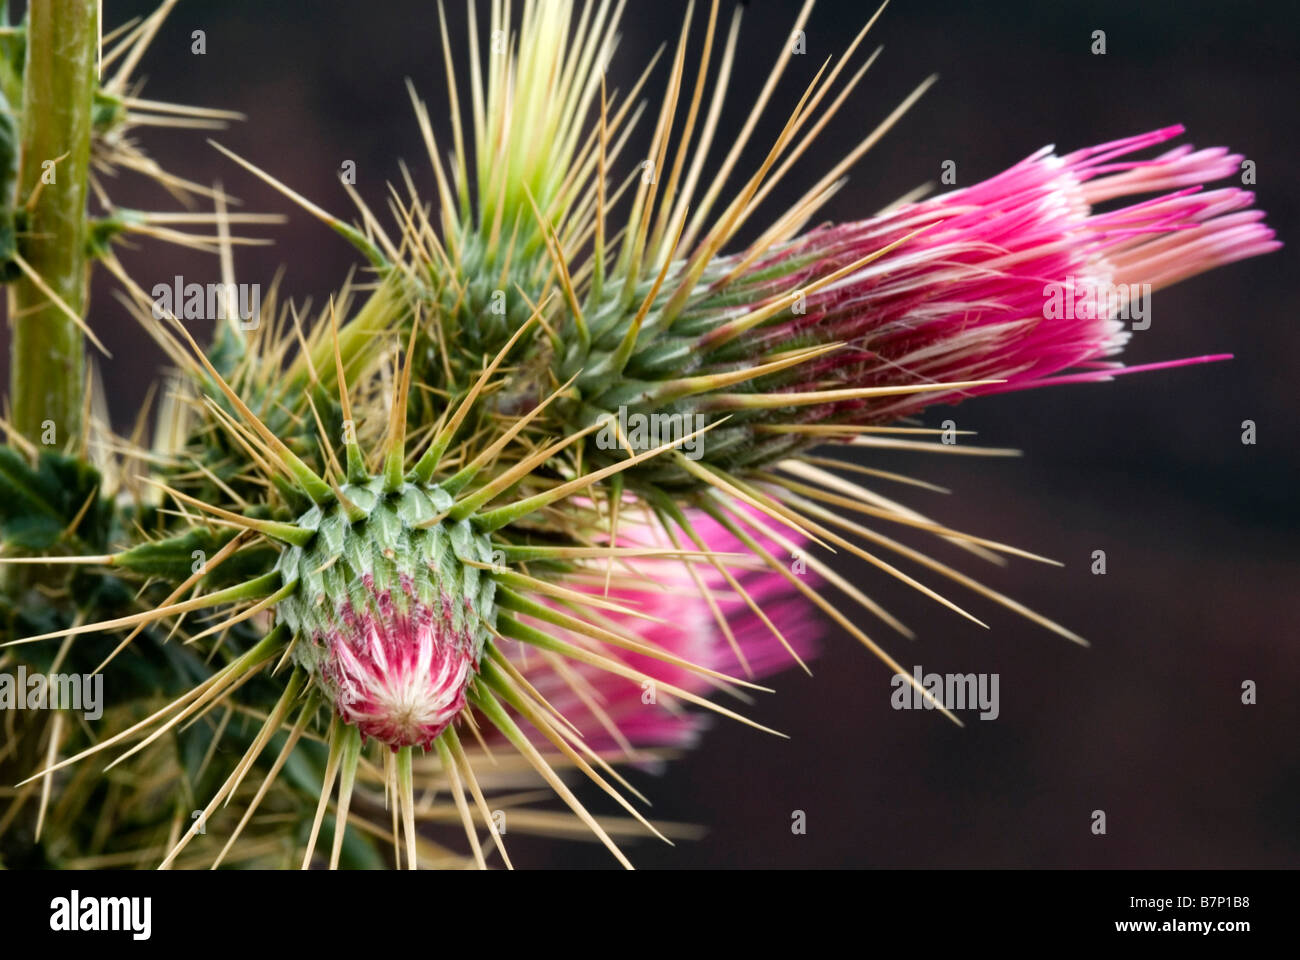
(1200,593)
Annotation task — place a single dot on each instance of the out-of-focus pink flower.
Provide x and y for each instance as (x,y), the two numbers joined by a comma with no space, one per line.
(612,711)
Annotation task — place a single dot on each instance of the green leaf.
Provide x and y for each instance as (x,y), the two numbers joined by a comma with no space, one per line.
(37,506)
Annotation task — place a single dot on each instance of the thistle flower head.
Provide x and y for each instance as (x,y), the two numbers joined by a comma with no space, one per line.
(695,615)
(390,619)
(1019,279)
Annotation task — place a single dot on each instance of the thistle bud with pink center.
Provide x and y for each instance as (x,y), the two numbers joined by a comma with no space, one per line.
(391,613)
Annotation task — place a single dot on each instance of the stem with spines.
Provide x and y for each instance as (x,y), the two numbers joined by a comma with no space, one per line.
(47,362)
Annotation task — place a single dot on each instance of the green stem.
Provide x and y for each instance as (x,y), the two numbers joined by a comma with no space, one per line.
(47,361)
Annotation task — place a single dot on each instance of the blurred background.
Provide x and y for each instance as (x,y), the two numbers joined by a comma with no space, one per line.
(1199,530)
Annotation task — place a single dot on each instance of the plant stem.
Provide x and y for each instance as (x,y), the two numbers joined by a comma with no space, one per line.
(47,361)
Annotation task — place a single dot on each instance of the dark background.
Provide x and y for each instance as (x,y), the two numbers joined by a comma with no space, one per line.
(1199,530)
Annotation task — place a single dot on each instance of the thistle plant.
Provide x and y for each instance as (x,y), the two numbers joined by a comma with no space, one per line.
(558,451)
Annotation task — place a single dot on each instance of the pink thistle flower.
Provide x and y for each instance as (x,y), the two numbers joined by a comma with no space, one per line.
(615,712)
(1019,278)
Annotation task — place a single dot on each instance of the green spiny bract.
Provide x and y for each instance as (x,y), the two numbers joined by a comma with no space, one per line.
(643,317)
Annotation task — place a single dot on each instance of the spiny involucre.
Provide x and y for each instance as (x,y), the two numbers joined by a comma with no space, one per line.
(481,569)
